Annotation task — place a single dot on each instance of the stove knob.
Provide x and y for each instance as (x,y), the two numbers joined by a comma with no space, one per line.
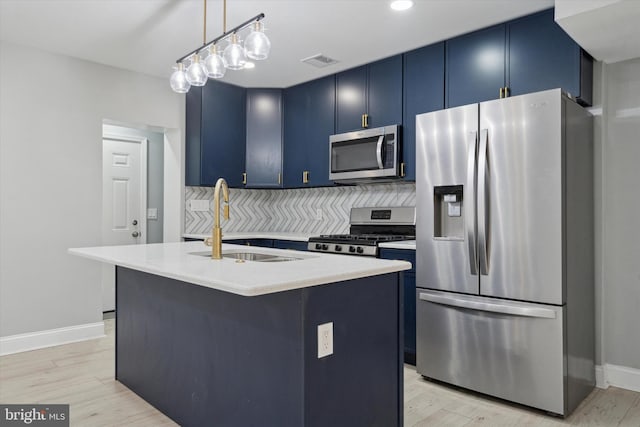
(360,250)
(338,248)
(352,249)
(318,246)
(325,247)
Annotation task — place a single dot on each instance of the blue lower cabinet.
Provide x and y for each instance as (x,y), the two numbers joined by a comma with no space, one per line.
(410,318)
(263,243)
(409,280)
(290,244)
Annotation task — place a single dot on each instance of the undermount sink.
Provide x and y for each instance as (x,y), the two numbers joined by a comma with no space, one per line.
(250,256)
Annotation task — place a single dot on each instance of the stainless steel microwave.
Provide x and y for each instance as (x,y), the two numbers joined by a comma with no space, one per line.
(365,155)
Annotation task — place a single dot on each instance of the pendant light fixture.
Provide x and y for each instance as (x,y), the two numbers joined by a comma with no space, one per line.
(179,81)
(257,43)
(234,56)
(196,74)
(214,64)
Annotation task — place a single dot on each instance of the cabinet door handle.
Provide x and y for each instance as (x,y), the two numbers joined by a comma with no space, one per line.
(506,91)
(244,178)
(305,177)
(362,121)
(501,92)
(279,178)
(402,169)
(366,121)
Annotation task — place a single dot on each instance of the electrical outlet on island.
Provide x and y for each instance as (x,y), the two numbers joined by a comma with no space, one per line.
(325,340)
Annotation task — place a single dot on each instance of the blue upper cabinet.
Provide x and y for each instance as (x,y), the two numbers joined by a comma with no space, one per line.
(264,138)
(385,92)
(215,134)
(369,96)
(476,66)
(525,55)
(223,133)
(351,99)
(309,117)
(542,56)
(423,91)
(193,120)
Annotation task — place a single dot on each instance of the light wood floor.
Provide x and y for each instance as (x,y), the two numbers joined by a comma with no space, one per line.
(82,375)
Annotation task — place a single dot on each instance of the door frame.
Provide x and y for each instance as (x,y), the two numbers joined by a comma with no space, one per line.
(143,176)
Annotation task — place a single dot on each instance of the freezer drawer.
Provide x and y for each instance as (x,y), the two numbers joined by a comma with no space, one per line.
(505,349)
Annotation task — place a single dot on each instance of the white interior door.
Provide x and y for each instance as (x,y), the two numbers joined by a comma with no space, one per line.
(124,203)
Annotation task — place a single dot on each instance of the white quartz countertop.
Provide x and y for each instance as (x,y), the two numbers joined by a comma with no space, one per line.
(176,261)
(276,235)
(403,244)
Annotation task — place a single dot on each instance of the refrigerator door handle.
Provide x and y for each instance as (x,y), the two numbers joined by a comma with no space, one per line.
(502,308)
(482,202)
(470,206)
(379,152)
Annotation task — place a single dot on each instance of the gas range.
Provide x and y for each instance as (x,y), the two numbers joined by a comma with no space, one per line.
(369,227)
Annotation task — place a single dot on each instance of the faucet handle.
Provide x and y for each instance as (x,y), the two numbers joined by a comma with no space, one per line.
(208,241)
(225,211)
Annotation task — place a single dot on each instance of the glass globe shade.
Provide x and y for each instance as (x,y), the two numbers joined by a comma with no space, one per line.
(179,81)
(214,64)
(257,44)
(196,74)
(234,54)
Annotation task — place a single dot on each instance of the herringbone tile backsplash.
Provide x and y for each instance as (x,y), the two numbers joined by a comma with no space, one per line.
(294,210)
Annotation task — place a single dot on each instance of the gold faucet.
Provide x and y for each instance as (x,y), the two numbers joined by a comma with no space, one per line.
(215,241)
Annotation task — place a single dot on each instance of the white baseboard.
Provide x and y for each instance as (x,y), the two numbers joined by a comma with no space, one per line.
(617,376)
(600,379)
(52,337)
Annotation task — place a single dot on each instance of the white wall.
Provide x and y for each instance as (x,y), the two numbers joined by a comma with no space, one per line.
(620,213)
(51,113)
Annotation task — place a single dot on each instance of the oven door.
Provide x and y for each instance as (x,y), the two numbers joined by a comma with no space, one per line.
(367,154)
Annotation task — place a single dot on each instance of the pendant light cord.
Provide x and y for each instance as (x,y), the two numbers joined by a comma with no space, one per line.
(204,31)
(224,16)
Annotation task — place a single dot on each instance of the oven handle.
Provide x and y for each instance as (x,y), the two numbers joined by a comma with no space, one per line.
(379,152)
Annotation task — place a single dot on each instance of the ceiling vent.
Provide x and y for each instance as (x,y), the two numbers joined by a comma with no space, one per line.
(319,60)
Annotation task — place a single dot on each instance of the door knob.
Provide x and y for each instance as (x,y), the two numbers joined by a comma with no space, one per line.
(135,234)
(135,222)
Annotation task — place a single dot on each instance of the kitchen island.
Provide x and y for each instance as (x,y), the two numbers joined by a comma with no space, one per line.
(226,342)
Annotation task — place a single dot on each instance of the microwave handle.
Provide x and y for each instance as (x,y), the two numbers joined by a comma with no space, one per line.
(379,152)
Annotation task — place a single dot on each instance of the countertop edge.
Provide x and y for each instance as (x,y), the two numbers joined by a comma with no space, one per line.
(225,286)
(408,245)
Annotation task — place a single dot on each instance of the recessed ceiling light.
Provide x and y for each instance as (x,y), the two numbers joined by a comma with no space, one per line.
(401,4)
(248,65)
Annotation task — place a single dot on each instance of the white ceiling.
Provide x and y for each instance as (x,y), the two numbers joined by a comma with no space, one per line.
(147,36)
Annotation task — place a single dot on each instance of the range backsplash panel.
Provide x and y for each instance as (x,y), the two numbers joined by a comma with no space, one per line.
(294,210)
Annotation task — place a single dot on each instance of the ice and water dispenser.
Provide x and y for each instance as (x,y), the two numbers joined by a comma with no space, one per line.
(448,212)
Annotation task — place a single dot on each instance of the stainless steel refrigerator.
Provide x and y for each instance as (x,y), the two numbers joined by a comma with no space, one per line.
(505,249)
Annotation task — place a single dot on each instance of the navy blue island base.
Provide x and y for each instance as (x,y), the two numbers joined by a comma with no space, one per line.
(205,357)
